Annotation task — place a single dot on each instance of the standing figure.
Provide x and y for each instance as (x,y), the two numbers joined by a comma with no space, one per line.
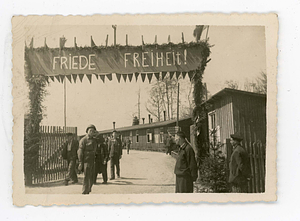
(128,143)
(115,154)
(70,154)
(239,166)
(101,159)
(169,143)
(86,157)
(186,166)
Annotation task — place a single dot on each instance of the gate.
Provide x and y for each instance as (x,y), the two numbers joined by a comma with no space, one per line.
(50,165)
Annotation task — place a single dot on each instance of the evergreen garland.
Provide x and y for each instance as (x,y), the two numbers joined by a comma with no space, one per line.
(37,92)
(199,112)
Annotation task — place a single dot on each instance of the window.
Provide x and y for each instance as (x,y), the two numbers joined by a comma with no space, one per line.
(161,139)
(149,136)
(156,136)
(137,136)
(214,129)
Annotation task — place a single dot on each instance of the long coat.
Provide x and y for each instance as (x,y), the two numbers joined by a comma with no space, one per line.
(101,157)
(239,166)
(185,169)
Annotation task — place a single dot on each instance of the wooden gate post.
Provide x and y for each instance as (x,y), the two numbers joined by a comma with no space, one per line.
(194,145)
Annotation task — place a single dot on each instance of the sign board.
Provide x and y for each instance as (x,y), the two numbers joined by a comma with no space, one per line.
(121,59)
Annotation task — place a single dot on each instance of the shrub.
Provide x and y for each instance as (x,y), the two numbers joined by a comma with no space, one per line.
(213,174)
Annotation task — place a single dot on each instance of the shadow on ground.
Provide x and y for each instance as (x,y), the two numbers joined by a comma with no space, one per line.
(56,183)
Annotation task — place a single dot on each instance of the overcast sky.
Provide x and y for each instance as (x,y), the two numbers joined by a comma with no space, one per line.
(238,54)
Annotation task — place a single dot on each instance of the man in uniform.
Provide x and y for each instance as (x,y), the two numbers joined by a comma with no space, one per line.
(128,143)
(86,157)
(186,166)
(115,154)
(71,147)
(101,159)
(239,166)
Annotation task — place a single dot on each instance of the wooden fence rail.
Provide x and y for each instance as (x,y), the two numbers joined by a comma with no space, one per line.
(50,165)
(257,155)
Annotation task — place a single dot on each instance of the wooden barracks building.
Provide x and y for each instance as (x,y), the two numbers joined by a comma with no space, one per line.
(151,136)
(229,111)
(234,111)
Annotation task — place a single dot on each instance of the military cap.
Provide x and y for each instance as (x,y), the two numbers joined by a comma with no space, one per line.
(181,134)
(236,137)
(90,126)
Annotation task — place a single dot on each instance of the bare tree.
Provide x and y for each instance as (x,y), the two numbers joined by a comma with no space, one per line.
(154,104)
(232,84)
(261,83)
(257,86)
(163,97)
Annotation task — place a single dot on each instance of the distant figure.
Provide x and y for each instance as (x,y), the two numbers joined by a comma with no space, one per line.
(186,166)
(128,143)
(239,166)
(86,157)
(169,144)
(70,154)
(101,159)
(115,154)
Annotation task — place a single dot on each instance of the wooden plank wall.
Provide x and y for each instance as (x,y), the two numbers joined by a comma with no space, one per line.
(224,117)
(249,116)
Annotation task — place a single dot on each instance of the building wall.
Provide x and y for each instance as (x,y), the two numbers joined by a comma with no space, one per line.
(155,143)
(240,113)
(143,143)
(249,114)
(224,117)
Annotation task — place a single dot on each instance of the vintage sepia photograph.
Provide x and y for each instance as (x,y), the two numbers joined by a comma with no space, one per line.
(123,109)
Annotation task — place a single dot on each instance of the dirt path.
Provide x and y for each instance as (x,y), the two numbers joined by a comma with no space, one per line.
(141,172)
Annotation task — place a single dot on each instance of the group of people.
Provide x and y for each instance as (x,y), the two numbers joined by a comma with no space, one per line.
(186,166)
(93,153)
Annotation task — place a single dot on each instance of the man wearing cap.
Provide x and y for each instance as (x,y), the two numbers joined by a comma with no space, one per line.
(239,166)
(186,166)
(71,147)
(86,157)
(115,154)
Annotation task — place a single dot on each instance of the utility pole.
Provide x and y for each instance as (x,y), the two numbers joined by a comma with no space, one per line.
(177,122)
(139,103)
(171,102)
(168,99)
(115,34)
(65,103)
(62,42)
(207,33)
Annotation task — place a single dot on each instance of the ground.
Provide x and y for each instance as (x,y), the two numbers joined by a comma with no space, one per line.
(141,172)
